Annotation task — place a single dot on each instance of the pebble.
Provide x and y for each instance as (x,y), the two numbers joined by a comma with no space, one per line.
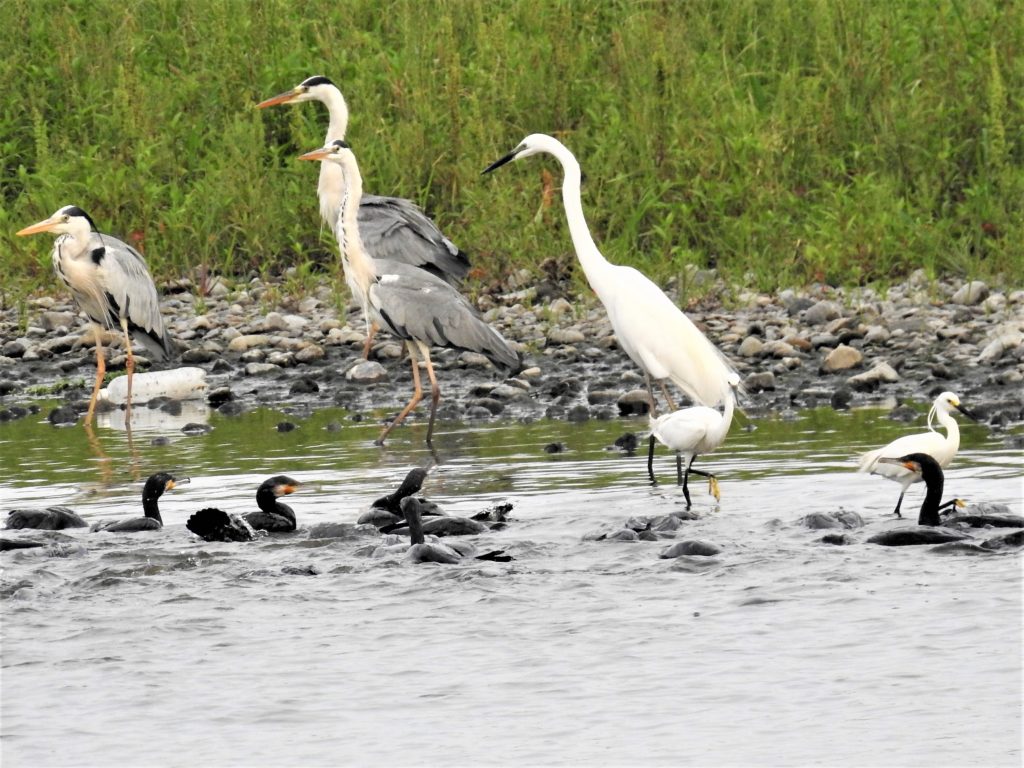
(367,372)
(842,358)
(970,293)
(690,548)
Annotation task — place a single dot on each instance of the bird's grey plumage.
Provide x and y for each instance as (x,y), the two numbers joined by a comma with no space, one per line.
(412,304)
(396,229)
(109,279)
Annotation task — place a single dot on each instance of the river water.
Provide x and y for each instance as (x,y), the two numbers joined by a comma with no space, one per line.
(160,649)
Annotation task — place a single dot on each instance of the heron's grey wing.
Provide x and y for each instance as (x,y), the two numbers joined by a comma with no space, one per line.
(412,304)
(129,286)
(397,230)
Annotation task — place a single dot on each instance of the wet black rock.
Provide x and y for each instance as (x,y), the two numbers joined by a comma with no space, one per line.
(62,416)
(1007,540)
(162,440)
(690,548)
(7,386)
(493,406)
(172,407)
(196,355)
(578,413)
(627,443)
(841,399)
(231,408)
(287,426)
(217,397)
(837,539)
(304,386)
(839,519)
(763,381)
(903,413)
(556,448)
(221,365)
(636,402)
(192,428)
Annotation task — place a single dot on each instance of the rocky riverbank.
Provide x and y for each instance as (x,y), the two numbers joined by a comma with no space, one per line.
(794,349)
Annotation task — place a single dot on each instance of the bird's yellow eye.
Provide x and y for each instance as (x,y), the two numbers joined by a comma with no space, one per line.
(65,217)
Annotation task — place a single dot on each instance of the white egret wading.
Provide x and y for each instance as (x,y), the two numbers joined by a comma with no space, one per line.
(939,447)
(391,227)
(409,303)
(691,432)
(651,329)
(110,283)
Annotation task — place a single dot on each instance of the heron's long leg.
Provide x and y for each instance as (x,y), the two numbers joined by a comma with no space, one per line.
(101,371)
(898,502)
(654,401)
(371,331)
(712,480)
(130,367)
(435,390)
(668,397)
(417,394)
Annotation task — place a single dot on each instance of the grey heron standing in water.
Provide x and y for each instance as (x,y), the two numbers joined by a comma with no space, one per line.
(109,281)
(392,228)
(650,328)
(408,302)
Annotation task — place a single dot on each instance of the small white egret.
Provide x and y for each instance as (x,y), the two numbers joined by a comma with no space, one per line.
(651,329)
(691,432)
(110,283)
(409,303)
(391,227)
(941,448)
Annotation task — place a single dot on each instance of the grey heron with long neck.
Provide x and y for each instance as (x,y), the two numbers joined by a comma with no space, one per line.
(109,281)
(392,228)
(411,304)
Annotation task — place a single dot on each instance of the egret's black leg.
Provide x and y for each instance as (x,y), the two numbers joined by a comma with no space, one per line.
(712,480)
(686,491)
(679,469)
(950,503)
(650,460)
(898,502)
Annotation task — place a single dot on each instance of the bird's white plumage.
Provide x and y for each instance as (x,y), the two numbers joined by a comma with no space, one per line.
(651,329)
(940,447)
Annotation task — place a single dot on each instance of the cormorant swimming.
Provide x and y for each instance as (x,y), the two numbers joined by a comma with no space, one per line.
(49,519)
(154,488)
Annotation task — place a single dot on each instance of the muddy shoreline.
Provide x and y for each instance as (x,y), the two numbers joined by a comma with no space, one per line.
(793,349)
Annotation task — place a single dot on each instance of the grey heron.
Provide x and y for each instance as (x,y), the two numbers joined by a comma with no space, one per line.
(410,303)
(651,329)
(156,486)
(691,432)
(939,447)
(111,284)
(391,227)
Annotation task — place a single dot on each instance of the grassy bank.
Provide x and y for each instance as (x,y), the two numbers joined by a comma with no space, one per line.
(783,142)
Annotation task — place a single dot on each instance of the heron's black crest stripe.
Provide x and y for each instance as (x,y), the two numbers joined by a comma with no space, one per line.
(309,82)
(98,254)
(341,143)
(74,210)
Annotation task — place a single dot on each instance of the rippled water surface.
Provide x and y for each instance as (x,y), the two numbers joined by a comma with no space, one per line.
(159,649)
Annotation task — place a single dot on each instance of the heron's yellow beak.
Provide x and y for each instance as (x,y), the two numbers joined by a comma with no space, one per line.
(43,226)
(281,98)
(317,154)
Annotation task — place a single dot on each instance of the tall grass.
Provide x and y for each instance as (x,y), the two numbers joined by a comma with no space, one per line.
(784,142)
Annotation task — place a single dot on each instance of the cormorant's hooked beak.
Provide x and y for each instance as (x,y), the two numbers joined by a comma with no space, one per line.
(281,98)
(913,466)
(506,159)
(174,482)
(318,154)
(43,226)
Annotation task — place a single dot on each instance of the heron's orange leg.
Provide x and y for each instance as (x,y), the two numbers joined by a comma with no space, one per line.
(371,331)
(417,395)
(130,367)
(435,392)
(101,371)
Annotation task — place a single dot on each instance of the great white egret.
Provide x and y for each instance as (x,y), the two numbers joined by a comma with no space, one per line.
(939,447)
(155,487)
(110,283)
(691,432)
(392,228)
(409,303)
(651,329)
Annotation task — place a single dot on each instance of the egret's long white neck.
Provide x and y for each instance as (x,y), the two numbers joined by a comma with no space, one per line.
(331,184)
(952,428)
(595,266)
(722,429)
(359,269)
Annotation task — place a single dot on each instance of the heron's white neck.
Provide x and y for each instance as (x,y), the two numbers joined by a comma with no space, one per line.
(75,241)
(359,269)
(331,185)
(595,266)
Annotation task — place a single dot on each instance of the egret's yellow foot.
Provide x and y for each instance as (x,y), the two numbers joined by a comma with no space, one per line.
(959,503)
(713,488)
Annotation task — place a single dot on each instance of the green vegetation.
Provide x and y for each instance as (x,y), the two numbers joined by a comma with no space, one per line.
(782,141)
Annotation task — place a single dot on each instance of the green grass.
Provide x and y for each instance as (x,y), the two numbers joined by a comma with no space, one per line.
(844,141)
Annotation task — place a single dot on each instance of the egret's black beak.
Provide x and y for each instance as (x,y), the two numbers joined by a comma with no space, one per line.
(498,163)
(967,413)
